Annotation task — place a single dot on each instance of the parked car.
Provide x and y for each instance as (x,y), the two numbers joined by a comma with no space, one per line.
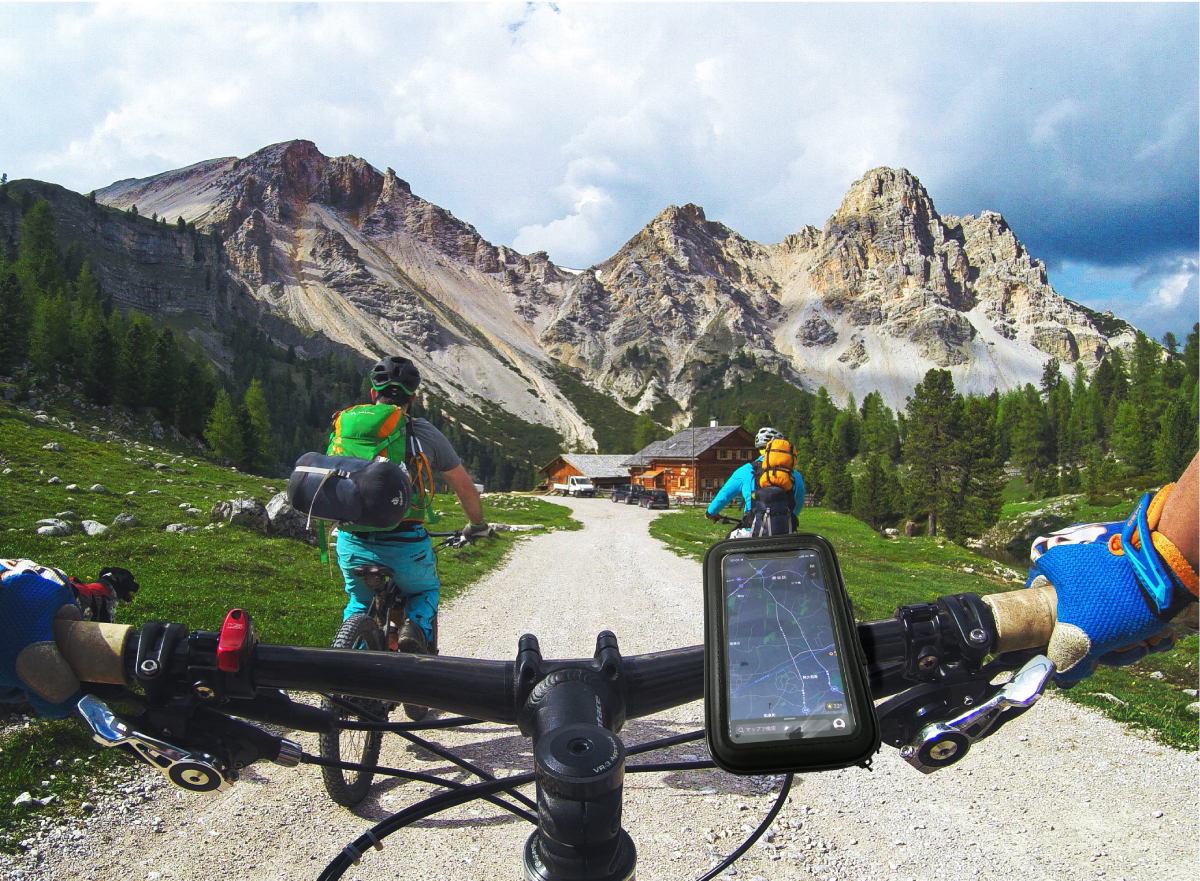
(654,498)
(575,486)
(635,495)
(621,492)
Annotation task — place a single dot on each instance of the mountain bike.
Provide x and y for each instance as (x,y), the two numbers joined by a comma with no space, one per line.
(375,631)
(937,667)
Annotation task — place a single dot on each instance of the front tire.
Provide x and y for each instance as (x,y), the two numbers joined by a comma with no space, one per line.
(348,788)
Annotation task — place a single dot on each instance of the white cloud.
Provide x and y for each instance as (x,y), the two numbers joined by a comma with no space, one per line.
(567,128)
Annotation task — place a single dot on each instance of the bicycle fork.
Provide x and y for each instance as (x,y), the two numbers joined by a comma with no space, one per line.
(572,715)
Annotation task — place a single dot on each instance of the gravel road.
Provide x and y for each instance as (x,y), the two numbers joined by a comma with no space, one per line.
(1061,793)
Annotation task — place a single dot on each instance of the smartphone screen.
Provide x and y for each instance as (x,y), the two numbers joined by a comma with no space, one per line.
(784,677)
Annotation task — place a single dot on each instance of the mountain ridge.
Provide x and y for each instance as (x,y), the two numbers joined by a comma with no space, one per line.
(329,251)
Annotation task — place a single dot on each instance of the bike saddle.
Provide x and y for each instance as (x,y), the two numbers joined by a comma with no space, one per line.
(375,576)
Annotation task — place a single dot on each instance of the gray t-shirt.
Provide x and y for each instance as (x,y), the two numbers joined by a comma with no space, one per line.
(434,445)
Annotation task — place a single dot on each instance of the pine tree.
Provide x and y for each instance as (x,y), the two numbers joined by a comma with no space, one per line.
(133,371)
(195,398)
(224,435)
(932,422)
(1028,441)
(165,375)
(39,263)
(1176,440)
(977,473)
(15,319)
(873,502)
(1134,433)
(257,448)
(839,486)
(100,363)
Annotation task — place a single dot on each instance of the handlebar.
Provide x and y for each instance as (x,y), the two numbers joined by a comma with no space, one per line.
(105,653)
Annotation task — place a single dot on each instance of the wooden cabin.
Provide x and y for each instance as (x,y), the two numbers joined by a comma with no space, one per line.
(604,472)
(694,463)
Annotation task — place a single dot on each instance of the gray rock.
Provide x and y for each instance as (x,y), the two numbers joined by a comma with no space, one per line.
(891,533)
(193,512)
(56,523)
(52,447)
(1194,707)
(67,515)
(72,487)
(54,481)
(98,488)
(242,512)
(161,466)
(94,528)
(286,521)
(125,520)
(41,417)
(23,800)
(1157,674)
(180,527)
(53,530)
(6,471)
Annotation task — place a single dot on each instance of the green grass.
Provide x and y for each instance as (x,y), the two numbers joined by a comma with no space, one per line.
(883,574)
(192,578)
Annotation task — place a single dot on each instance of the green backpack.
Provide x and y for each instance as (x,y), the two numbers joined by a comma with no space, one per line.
(368,431)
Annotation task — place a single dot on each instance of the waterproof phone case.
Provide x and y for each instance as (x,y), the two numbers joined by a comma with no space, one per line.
(785,681)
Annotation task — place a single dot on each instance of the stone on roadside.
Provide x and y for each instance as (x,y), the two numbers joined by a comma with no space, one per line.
(125,520)
(99,488)
(53,447)
(94,528)
(241,512)
(180,527)
(286,521)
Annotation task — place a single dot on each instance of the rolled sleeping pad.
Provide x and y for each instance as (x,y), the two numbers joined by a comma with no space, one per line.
(374,494)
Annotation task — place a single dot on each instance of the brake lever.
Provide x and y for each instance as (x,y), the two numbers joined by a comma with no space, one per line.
(943,743)
(188,769)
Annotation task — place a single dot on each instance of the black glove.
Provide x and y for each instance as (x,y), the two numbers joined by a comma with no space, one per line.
(120,581)
(715,518)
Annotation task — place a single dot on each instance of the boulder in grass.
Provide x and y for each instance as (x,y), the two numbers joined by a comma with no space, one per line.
(100,489)
(54,481)
(53,526)
(94,528)
(125,520)
(180,527)
(287,522)
(72,487)
(241,512)
(52,447)
(67,515)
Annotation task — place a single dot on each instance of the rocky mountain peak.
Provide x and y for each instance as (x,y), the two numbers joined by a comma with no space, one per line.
(882,192)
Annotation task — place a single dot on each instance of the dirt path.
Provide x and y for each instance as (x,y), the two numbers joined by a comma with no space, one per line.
(1062,793)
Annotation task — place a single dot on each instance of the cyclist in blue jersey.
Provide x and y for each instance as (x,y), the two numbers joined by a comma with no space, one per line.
(741,482)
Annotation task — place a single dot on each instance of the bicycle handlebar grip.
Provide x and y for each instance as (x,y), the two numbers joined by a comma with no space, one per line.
(96,652)
(1024,618)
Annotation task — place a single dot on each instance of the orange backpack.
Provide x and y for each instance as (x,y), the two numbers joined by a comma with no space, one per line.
(778,466)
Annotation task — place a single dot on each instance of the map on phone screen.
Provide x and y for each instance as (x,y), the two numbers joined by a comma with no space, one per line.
(785,681)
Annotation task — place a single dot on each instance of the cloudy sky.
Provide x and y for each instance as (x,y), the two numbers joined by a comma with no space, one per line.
(566,128)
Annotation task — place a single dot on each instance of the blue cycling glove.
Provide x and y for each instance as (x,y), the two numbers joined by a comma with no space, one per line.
(1116,592)
(31,668)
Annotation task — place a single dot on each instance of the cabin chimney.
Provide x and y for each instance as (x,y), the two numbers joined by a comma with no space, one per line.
(712,424)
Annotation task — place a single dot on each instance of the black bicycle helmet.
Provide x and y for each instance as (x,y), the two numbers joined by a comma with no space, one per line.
(398,371)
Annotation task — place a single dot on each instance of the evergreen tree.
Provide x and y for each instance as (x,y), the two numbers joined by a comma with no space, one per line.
(100,364)
(977,473)
(133,367)
(257,448)
(847,432)
(39,263)
(165,375)
(15,319)
(873,501)
(880,434)
(224,434)
(1176,440)
(195,398)
(645,432)
(839,486)
(1134,433)
(1028,442)
(932,424)
(50,335)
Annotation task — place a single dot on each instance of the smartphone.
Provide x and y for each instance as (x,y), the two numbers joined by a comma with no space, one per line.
(785,679)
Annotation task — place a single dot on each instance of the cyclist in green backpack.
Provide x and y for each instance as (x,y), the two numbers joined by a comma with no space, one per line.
(385,428)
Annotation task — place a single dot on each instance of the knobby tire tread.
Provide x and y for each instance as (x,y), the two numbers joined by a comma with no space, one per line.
(348,788)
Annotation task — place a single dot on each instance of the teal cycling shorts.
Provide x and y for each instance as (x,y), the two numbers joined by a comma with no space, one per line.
(409,554)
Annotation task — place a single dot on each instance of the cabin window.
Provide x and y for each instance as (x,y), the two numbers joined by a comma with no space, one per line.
(722,454)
